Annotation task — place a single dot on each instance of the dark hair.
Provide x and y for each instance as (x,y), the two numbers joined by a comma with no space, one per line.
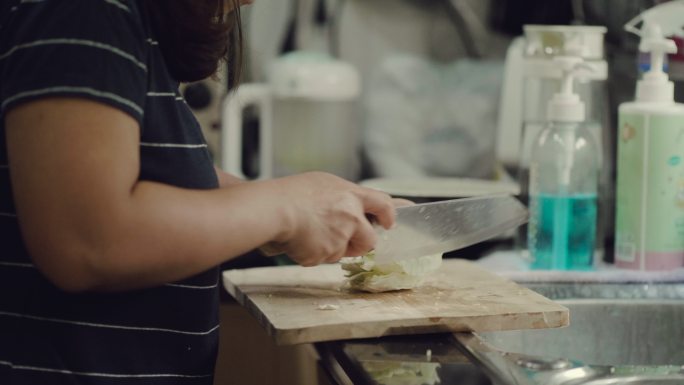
(196,35)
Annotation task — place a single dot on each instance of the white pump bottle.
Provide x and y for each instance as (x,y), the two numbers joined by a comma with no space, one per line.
(649,230)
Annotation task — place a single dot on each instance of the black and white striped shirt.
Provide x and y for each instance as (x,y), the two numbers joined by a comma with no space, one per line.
(101,50)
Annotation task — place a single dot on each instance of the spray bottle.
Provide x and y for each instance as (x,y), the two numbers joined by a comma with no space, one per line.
(564,172)
(649,228)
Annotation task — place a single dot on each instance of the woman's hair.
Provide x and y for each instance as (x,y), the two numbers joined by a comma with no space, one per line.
(196,35)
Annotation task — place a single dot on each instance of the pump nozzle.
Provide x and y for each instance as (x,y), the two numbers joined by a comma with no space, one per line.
(654,42)
(655,86)
(566,106)
(658,22)
(668,16)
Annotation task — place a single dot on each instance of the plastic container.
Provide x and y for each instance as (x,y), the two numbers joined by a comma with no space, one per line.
(531,80)
(650,168)
(564,174)
(308,118)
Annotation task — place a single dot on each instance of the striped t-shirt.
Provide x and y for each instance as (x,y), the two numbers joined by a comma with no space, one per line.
(102,50)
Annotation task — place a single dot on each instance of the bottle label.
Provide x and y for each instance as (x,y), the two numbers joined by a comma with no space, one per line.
(650,192)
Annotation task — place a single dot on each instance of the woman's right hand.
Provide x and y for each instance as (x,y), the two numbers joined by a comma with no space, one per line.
(327,217)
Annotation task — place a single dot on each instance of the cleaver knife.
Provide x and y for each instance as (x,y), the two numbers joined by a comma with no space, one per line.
(443,226)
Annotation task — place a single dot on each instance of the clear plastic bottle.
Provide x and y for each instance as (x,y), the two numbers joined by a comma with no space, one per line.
(564,174)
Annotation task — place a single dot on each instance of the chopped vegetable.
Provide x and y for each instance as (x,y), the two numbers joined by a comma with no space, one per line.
(364,273)
(328,306)
(402,373)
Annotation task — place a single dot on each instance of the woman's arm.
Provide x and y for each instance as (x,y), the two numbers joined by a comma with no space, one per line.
(90,224)
(225,179)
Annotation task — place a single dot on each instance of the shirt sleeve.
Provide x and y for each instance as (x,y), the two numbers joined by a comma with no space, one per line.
(94,49)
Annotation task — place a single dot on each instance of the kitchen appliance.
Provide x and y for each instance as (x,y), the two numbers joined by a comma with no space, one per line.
(308,118)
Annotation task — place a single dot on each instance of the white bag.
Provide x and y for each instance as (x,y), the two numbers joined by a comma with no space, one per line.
(425,118)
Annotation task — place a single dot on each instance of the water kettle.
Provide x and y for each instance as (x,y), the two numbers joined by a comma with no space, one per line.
(308,118)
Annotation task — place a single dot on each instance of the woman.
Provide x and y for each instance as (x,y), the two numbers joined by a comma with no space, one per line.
(112,217)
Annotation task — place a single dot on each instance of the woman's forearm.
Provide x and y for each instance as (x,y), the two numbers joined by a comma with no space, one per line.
(164,233)
(225,179)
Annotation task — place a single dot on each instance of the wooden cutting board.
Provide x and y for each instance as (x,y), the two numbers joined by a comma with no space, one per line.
(290,303)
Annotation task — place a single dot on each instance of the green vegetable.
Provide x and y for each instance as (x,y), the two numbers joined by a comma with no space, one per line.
(402,373)
(364,273)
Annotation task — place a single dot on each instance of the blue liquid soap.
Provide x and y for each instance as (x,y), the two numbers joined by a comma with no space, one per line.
(562,231)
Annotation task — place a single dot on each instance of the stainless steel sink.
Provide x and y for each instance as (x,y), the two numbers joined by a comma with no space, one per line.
(611,340)
(643,380)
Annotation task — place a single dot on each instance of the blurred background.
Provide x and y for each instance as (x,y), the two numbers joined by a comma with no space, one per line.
(420,98)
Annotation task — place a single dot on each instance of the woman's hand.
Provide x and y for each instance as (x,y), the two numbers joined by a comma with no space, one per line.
(327,217)
(400,202)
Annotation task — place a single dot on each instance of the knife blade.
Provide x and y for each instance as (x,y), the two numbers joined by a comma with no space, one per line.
(444,226)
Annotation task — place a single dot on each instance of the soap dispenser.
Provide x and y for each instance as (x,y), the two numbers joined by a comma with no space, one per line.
(564,172)
(649,227)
